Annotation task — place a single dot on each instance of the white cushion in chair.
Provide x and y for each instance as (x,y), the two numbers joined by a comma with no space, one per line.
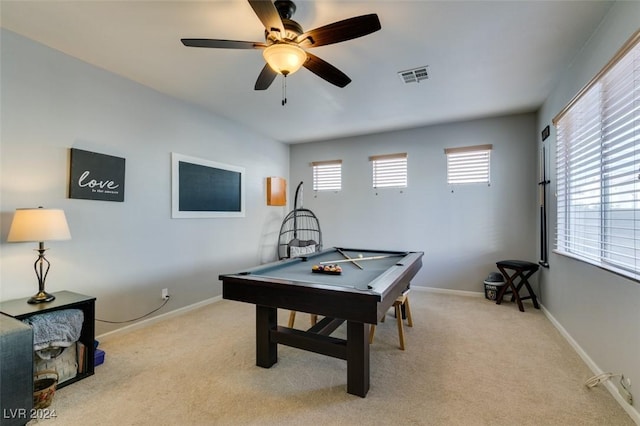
(301,251)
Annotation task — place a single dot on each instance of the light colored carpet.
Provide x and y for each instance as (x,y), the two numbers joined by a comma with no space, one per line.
(468,362)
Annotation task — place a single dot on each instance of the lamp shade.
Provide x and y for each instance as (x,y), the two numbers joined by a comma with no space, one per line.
(39,225)
(284,58)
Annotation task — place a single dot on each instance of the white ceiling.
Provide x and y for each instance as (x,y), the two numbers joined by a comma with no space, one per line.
(485,58)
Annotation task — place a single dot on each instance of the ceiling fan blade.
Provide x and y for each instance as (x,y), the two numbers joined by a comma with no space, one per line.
(340,31)
(268,15)
(266,77)
(326,71)
(222,44)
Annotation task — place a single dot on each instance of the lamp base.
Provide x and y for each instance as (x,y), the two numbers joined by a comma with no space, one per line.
(41,297)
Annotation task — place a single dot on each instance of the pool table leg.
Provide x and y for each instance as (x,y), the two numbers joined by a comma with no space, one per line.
(266,351)
(357,358)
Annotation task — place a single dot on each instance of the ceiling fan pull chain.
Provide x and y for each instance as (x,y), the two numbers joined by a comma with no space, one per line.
(284,90)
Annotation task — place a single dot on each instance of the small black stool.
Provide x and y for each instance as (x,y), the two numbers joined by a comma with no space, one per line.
(523,270)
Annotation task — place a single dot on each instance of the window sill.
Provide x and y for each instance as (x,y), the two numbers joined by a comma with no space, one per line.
(608,268)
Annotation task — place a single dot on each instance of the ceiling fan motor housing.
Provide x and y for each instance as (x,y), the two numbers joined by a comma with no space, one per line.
(286,8)
(292,31)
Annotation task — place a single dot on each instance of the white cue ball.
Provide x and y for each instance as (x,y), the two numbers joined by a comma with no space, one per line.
(360,255)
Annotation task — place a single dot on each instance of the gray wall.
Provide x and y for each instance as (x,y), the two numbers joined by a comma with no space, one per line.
(600,310)
(122,253)
(464,230)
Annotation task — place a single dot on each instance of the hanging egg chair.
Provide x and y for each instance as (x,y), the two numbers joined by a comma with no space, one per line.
(300,232)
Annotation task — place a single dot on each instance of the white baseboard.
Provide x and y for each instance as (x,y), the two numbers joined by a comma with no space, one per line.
(613,390)
(145,323)
(159,318)
(448,291)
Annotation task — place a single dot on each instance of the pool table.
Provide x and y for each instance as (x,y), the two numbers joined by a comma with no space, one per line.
(359,295)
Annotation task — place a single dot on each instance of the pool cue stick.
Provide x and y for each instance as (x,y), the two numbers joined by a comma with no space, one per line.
(359,259)
(541,203)
(347,257)
(544,260)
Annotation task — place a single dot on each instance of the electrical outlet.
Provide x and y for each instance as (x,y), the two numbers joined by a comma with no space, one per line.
(626,395)
(165,293)
(625,389)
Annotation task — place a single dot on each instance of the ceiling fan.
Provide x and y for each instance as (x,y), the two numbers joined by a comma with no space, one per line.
(285,42)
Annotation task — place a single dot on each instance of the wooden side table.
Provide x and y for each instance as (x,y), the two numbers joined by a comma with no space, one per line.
(20,309)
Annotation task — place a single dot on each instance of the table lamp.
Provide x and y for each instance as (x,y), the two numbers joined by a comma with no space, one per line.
(39,225)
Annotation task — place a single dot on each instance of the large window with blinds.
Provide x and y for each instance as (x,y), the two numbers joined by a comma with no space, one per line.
(389,170)
(469,164)
(327,175)
(598,168)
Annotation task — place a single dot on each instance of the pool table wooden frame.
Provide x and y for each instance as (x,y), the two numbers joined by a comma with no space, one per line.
(336,303)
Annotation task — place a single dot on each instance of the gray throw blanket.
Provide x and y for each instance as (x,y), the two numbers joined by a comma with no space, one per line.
(56,329)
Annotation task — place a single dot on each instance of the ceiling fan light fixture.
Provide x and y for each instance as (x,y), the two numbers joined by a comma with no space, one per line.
(284,58)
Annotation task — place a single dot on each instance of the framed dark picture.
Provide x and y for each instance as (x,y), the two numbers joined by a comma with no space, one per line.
(545,133)
(96,176)
(205,189)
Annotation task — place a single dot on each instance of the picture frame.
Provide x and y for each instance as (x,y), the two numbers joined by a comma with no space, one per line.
(95,176)
(203,188)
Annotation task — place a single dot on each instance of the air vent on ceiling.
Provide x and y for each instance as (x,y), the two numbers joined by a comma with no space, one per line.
(415,75)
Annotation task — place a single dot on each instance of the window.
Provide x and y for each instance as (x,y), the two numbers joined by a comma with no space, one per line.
(327,175)
(598,166)
(470,164)
(389,171)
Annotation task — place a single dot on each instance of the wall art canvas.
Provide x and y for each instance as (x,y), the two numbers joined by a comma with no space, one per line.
(206,189)
(96,176)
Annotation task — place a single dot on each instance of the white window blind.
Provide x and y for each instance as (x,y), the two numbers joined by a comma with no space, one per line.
(469,164)
(327,175)
(389,170)
(598,168)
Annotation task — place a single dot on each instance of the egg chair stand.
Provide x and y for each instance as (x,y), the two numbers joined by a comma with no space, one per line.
(300,234)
